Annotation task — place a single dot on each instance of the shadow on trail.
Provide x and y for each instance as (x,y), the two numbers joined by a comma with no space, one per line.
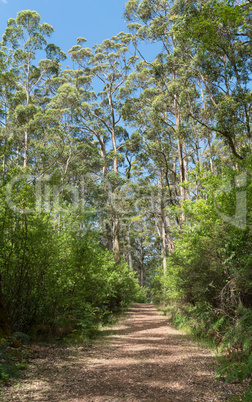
(145,360)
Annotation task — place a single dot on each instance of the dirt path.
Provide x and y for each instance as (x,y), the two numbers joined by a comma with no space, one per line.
(144,360)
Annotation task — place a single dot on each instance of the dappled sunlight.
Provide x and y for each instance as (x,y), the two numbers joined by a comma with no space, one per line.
(142,359)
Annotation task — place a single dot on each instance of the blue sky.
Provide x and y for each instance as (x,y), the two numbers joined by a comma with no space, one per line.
(95,20)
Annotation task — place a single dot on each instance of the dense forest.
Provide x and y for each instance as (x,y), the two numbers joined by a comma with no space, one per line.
(127,178)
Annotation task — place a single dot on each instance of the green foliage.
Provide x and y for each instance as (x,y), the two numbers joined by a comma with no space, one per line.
(9,365)
(208,281)
(177,190)
(141,295)
(209,325)
(24,338)
(56,276)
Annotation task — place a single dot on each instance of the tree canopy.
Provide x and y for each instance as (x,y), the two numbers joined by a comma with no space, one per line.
(125,178)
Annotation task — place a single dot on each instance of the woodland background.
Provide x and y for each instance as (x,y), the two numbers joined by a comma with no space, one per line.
(130,179)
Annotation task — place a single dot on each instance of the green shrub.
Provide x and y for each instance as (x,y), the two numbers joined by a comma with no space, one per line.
(9,367)
(141,295)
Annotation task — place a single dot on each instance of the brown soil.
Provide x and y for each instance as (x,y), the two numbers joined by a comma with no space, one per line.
(143,358)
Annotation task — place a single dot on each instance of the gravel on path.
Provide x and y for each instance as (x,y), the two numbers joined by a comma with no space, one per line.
(143,358)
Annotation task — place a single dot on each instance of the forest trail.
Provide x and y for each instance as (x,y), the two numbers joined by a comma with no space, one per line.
(141,359)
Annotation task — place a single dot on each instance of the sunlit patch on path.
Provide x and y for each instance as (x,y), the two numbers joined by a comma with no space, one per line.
(145,359)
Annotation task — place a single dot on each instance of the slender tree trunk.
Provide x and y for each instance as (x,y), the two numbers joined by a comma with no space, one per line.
(116,242)
(108,240)
(115,151)
(27,89)
(5,330)
(182,177)
(168,235)
(208,134)
(116,225)
(141,265)
(210,154)
(180,156)
(103,154)
(196,188)
(25,148)
(181,170)
(197,152)
(113,136)
(185,170)
(163,244)
(129,252)
(163,232)
(130,261)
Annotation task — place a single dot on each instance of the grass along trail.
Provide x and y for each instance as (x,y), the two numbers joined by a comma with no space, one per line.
(142,358)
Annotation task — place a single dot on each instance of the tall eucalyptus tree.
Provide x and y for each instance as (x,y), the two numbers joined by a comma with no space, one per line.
(97,113)
(220,39)
(22,41)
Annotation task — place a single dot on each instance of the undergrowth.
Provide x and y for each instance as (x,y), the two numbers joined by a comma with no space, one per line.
(66,330)
(12,359)
(231,335)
